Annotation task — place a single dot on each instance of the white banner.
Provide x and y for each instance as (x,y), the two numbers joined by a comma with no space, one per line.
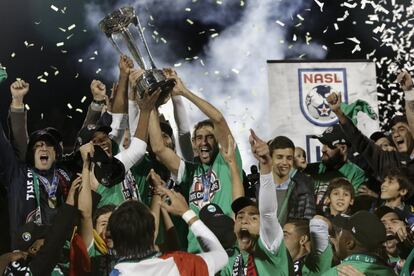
(297,98)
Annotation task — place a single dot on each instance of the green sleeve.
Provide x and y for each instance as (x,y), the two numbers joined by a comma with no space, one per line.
(331,272)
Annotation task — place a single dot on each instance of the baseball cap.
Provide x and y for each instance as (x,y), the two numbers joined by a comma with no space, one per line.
(383,210)
(85,135)
(331,136)
(28,234)
(241,203)
(109,171)
(41,135)
(377,135)
(220,224)
(364,226)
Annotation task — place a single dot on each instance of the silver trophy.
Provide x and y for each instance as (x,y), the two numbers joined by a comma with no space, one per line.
(119,27)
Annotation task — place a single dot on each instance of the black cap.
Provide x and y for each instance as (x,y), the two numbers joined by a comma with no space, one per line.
(41,135)
(331,136)
(85,135)
(241,203)
(28,234)
(364,226)
(165,127)
(383,210)
(55,133)
(108,170)
(220,224)
(377,135)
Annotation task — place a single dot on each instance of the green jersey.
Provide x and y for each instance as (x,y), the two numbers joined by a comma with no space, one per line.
(322,176)
(206,184)
(266,261)
(368,265)
(405,271)
(316,264)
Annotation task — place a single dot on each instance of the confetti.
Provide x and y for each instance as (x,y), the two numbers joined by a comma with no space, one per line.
(214,35)
(27,106)
(69,106)
(54,8)
(280,23)
(98,71)
(43,80)
(60,44)
(189,21)
(83,99)
(79,110)
(320,4)
(71,27)
(235,71)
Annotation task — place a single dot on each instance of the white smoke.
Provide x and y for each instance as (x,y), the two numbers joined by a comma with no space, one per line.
(232,73)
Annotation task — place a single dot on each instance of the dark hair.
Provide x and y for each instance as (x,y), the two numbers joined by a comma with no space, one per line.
(401,174)
(201,124)
(340,182)
(281,142)
(132,228)
(301,226)
(101,211)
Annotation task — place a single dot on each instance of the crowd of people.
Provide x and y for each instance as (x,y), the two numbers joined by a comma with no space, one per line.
(124,201)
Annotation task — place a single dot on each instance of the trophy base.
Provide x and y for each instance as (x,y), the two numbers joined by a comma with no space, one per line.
(150,81)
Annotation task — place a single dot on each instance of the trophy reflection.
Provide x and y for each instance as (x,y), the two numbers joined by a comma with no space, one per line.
(119,27)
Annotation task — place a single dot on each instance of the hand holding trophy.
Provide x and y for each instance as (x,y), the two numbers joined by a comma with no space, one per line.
(119,27)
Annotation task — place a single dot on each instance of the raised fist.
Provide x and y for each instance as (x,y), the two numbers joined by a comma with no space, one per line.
(98,90)
(19,89)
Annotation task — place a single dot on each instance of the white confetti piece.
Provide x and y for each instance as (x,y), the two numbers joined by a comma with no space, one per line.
(69,106)
(235,71)
(214,35)
(98,71)
(83,99)
(336,27)
(43,80)
(46,74)
(189,21)
(320,4)
(79,110)
(294,37)
(80,60)
(187,9)
(56,73)
(177,64)
(280,23)
(27,106)
(354,39)
(53,7)
(60,44)
(349,5)
(300,17)
(71,27)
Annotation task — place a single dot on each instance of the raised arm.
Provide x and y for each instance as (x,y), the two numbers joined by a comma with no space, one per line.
(214,254)
(18,118)
(98,90)
(221,129)
(85,195)
(182,122)
(372,153)
(229,155)
(137,148)
(166,155)
(406,83)
(271,232)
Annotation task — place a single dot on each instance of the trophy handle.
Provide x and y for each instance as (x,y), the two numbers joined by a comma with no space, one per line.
(134,50)
(141,34)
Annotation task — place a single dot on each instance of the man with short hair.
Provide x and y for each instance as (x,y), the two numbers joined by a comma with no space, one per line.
(208,180)
(380,161)
(293,188)
(261,249)
(356,241)
(132,230)
(334,164)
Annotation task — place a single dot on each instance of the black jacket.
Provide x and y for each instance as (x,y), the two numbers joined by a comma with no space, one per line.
(380,161)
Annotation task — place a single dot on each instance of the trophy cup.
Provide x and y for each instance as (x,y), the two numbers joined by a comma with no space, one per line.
(119,27)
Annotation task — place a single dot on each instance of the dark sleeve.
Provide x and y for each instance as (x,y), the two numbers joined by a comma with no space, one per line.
(376,158)
(92,116)
(9,164)
(305,196)
(19,136)
(47,258)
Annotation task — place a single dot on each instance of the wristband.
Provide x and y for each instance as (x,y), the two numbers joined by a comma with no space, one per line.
(409,95)
(188,215)
(101,102)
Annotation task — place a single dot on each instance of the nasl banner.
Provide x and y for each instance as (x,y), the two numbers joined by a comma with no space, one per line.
(297,97)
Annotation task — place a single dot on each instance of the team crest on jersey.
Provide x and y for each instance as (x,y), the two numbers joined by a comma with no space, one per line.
(198,196)
(315,85)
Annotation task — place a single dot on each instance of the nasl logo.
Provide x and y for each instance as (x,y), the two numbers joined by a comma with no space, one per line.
(314,86)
